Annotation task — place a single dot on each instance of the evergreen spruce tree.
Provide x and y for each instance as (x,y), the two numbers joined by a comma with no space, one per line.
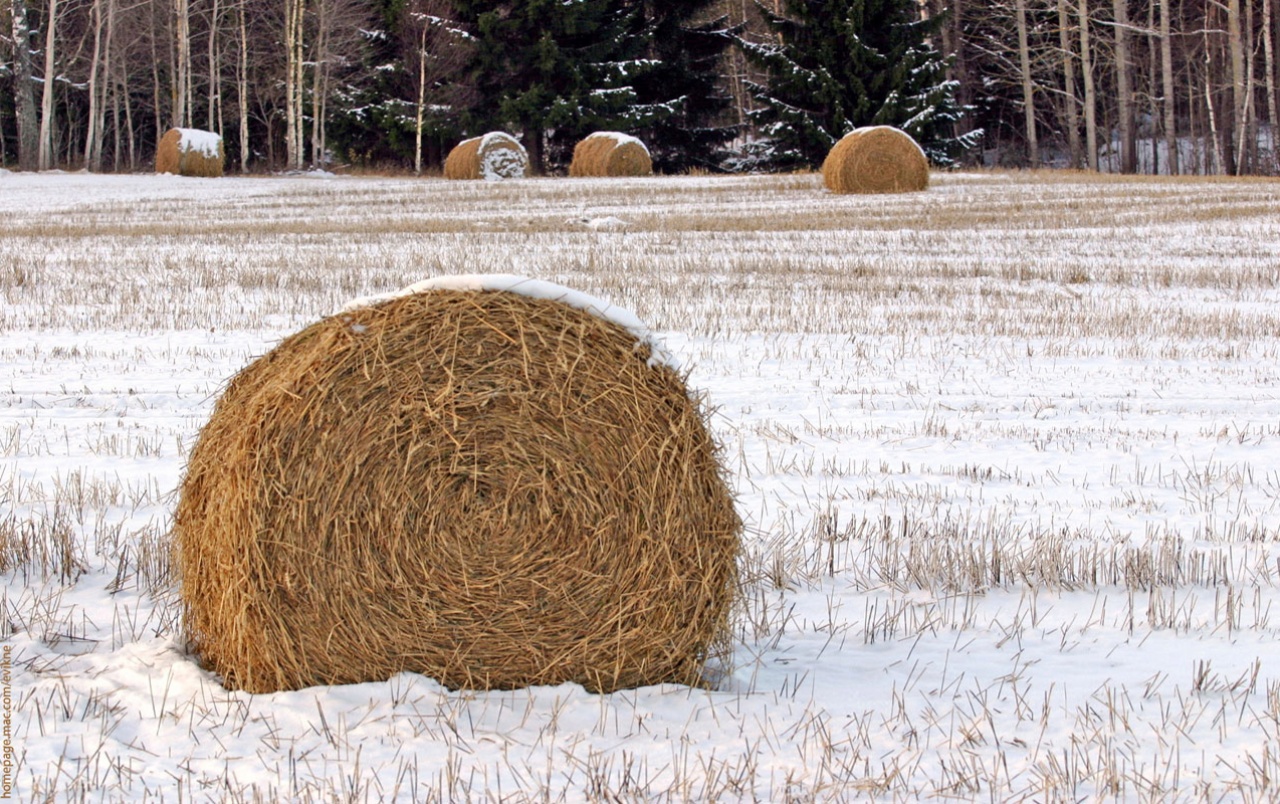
(842,64)
(375,117)
(372,123)
(550,66)
(678,89)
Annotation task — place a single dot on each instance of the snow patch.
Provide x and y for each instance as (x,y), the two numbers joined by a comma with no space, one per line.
(534,289)
(605,224)
(620,138)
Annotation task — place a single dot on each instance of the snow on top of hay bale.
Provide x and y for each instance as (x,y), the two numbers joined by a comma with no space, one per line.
(535,289)
(621,139)
(490,488)
(876,159)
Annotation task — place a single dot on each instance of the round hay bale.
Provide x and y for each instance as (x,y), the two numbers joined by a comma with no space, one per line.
(493,157)
(876,159)
(190,152)
(610,153)
(484,486)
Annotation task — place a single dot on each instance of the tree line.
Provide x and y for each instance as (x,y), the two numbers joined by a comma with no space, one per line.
(1159,86)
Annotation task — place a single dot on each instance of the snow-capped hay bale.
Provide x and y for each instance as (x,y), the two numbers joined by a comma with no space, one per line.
(492,157)
(877,159)
(493,488)
(190,152)
(610,153)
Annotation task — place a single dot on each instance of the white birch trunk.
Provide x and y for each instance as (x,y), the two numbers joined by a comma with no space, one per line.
(215,78)
(1069,83)
(1218,164)
(92,124)
(47,158)
(1028,90)
(422,97)
(1124,88)
(182,77)
(1270,66)
(1090,96)
(1238,100)
(242,89)
(1166,71)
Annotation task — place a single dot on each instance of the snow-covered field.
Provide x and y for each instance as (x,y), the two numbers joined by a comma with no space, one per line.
(1009,453)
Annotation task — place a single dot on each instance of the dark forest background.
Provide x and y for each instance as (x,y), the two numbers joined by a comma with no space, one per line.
(1159,86)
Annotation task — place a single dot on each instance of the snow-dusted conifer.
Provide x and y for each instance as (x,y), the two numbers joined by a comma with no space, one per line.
(835,65)
(550,67)
(680,89)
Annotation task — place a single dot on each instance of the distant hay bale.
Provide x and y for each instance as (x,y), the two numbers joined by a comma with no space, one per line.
(493,157)
(190,152)
(877,159)
(609,153)
(487,488)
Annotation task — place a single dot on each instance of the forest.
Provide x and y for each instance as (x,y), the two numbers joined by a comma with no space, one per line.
(1161,86)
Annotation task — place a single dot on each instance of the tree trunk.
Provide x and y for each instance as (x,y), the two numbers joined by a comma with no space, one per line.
(242,89)
(1238,90)
(1124,89)
(422,97)
(1090,97)
(25,102)
(181,90)
(1219,165)
(319,65)
(95,104)
(533,145)
(293,39)
(1028,90)
(1250,149)
(1069,84)
(1166,70)
(47,157)
(215,72)
(960,72)
(128,119)
(1153,100)
(1269,64)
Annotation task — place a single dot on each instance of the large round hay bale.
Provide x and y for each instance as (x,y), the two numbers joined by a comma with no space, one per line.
(492,488)
(492,157)
(876,159)
(190,152)
(610,153)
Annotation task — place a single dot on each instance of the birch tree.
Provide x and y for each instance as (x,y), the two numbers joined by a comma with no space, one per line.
(103,20)
(1124,88)
(1239,90)
(1028,87)
(1090,96)
(47,157)
(1166,75)
(1068,83)
(242,84)
(214,60)
(294,47)
(1270,66)
(180,91)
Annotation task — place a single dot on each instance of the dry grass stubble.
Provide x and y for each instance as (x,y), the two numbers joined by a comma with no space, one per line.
(917,308)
